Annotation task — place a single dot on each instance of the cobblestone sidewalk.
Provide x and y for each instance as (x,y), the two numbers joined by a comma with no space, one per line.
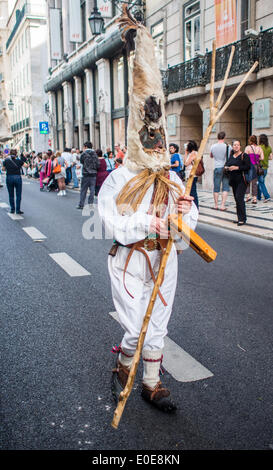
(259,216)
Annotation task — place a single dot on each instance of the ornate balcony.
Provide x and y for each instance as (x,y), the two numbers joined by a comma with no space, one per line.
(197,71)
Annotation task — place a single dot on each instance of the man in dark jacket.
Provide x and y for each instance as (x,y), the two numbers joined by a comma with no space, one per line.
(90,164)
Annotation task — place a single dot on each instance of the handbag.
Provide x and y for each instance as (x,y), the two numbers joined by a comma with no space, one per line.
(260,170)
(200,170)
(57,169)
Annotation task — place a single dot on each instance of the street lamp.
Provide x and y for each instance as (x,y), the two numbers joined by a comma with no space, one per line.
(96,21)
(10,105)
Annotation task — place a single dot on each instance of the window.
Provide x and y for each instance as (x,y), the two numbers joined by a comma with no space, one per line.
(244,17)
(157,33)
(118,83)
(83,19)
(192,40)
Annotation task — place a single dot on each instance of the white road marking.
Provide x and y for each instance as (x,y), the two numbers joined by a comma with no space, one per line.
(69,265)
(178,363)
(3,205)
(34,233)
(15,216)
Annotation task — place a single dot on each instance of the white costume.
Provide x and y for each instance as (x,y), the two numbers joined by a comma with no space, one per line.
(130,229)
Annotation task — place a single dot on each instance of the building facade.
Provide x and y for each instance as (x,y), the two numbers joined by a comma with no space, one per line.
(88,82)
(5,132)
(187,31)
(26,51)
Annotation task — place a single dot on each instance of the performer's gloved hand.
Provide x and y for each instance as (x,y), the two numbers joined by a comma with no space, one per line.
(184,204)
(159,226)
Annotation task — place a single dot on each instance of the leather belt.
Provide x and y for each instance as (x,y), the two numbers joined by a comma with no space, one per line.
(149,244)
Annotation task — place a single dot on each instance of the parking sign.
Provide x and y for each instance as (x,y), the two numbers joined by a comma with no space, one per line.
(44,127)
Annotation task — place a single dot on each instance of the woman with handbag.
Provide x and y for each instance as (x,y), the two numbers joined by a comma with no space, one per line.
(267,150)
(256,154)
(237,164)
(59,167)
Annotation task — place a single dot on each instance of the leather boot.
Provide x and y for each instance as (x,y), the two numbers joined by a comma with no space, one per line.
(159,397)
(119,379)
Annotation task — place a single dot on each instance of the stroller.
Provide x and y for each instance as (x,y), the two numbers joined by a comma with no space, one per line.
(52,184)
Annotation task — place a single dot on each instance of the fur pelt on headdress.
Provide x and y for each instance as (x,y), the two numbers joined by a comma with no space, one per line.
(147,137)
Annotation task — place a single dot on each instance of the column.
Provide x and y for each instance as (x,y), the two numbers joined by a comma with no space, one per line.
(90,99)
(52,119)
(78,98)
(104,103)
(68,114)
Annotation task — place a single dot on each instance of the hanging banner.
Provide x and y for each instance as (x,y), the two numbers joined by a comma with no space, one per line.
(75,26)
(225,21)
(55,33)
(105,8)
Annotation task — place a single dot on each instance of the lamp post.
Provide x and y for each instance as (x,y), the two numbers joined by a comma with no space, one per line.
(96,21)
(10,104)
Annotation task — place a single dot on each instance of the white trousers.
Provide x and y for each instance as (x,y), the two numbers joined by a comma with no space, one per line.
(139,283)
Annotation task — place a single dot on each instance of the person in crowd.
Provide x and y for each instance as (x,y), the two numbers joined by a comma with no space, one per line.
(267,151)
(176,159)
(1,165)
(60,163)
(119,162)
(102,171)
(220,152)
(73,169)
(118,153)
(256,154)
(42,170)
(12,166)
(237,164)
(78,168)
(90,165)
(190,156)
(109,159)
(67,155)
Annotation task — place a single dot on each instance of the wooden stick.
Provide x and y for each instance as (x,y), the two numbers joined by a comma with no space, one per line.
(226,77)
(212,78)
(124,395)
(223,109)
(130,381)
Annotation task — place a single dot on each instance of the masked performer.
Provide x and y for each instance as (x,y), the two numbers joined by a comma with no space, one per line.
(134,203)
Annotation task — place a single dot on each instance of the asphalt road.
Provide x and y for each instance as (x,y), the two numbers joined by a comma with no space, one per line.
(56,338)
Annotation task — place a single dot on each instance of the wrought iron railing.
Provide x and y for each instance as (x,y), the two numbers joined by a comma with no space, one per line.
(197,71)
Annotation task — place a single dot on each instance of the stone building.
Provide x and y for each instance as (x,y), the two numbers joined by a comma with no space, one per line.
(5,132)
(88,82)
(26,51)
(187,31)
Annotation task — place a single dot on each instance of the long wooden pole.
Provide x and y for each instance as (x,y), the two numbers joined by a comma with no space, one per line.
(124,395)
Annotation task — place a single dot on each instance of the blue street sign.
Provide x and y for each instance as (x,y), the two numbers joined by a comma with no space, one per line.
(44,127)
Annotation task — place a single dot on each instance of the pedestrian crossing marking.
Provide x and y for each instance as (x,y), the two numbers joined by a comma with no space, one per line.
(34,233)
(3,205)
(178,363)
(69,265)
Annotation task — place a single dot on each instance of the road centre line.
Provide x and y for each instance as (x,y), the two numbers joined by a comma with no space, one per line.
(69,265)
(34,233)
(178,363)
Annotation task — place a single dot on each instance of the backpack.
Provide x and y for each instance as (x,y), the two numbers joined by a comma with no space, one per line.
(251,174)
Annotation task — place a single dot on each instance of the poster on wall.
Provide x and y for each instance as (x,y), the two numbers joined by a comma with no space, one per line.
(225,21)
(75,26)
(55,33)
(105,8)
(261,114)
